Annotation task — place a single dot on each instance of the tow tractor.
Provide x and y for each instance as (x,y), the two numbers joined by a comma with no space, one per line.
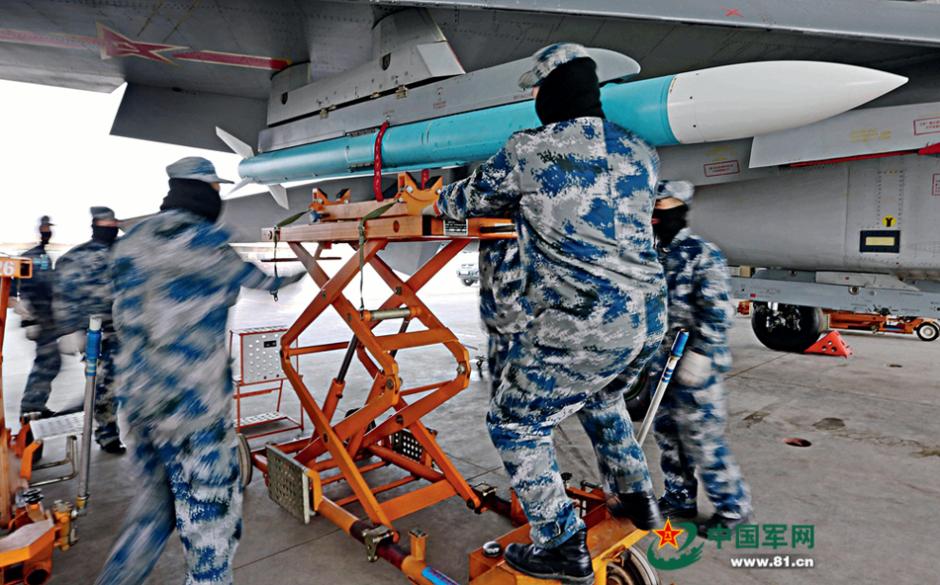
(925,329)
(29,531)
(334,468)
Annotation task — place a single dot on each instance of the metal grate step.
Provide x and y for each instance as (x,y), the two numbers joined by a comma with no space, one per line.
(58,426)
(288,484)
(261,419)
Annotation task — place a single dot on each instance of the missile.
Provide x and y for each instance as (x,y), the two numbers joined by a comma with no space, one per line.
(714,104)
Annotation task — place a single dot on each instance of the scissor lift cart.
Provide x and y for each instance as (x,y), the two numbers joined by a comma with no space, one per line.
(348,458)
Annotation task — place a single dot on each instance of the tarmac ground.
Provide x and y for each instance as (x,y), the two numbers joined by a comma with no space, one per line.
(868,484)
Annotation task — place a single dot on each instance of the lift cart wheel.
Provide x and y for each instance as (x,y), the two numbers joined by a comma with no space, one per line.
(928,331)
(245,467)
(633,569)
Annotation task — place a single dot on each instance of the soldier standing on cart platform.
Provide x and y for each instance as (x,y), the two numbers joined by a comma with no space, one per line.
(690,424)
(581,192)
(83,289)
(175,277)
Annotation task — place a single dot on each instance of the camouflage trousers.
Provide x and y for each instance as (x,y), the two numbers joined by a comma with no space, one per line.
(497,351)
(190,483)
(106,426)
(690,431)
(45,368)
(536,393)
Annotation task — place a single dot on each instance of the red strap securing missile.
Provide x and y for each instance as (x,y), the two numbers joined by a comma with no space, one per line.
(832,344)
(377,162)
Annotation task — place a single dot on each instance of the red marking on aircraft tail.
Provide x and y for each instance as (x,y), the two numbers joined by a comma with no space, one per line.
(733,12)
(234,59)
(114,44)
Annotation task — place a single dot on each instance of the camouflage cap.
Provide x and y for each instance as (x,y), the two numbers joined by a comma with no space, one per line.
(102,213)
(194,167)
(547,59)
(681,190)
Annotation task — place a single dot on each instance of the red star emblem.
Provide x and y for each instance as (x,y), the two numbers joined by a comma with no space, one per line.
(114,44)
(667,535)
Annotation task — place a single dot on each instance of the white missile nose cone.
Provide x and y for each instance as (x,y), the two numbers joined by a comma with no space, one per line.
(750,99)
(873,84)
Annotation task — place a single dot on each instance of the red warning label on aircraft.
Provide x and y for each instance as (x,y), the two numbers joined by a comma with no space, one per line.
(726,167)
(926,126)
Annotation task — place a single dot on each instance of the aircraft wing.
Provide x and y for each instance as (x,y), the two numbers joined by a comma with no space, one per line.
(191,66)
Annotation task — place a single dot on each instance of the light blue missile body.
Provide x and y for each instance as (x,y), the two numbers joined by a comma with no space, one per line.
(456,139)
(721,103)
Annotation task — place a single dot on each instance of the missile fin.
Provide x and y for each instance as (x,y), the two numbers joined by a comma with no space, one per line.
(239,147)
(239,185)
(280,194)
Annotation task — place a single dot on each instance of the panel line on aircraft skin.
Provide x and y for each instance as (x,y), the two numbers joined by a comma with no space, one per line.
(895,22)
(111,44)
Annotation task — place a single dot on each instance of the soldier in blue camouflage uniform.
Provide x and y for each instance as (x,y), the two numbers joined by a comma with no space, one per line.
(690,424)
(175,277)
(83,289)
(36,306)
(581,192)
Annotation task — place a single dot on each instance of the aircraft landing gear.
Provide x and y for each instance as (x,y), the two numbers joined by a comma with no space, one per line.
(787,327)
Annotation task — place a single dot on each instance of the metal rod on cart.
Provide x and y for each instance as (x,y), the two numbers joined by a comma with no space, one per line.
(678,347)
(92,351)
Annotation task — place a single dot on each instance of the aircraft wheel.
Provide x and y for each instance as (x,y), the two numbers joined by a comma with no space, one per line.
(633,569)
(245,467)
(468,282)
(788,328)
(928,331)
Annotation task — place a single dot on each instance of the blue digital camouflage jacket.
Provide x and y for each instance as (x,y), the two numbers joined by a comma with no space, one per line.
(699,296)
(581,192)
(175,277)
(83,287)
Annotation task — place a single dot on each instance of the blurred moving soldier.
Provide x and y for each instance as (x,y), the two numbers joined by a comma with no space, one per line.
(581,192)
(35,307)
(83,289)
(175,277)
(690,424)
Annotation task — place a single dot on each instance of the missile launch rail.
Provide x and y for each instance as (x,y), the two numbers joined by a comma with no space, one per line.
(331,469)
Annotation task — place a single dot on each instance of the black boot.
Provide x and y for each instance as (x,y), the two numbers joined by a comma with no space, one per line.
(670,509)
(569,562)
(113,446)
(719,520)
(639,508)
(37,414)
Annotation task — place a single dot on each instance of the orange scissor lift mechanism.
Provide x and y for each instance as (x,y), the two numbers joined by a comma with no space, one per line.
(28,531)
(386,431)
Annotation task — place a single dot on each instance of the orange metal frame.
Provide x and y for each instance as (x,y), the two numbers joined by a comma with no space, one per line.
(26,550)
(260,388)
(344,449)
(873,322)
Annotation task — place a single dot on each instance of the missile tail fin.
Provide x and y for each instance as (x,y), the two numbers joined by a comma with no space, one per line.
(279,192)
(239,185)
(239,147)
